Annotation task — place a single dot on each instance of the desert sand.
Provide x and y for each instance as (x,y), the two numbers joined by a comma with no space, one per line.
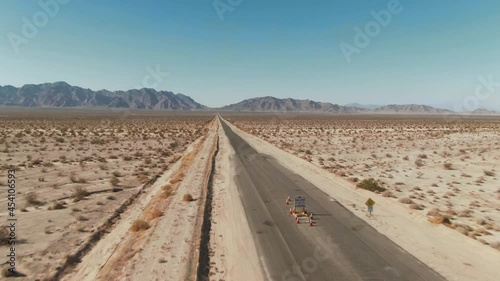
(75,172)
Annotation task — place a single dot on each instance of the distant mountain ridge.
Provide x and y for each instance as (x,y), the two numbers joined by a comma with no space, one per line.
(262,104)
(410,108)
(61,94)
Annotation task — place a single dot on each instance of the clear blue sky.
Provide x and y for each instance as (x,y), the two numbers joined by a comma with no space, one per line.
(432,52)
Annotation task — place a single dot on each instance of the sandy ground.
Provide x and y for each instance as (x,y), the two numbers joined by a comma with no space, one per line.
(109,157)
(455,256)
(165,250)
(168,249)
(234,255)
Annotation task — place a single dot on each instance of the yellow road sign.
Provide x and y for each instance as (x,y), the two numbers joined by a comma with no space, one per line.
(369,202)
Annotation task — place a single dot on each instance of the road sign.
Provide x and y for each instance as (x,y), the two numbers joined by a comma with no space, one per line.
(300,202)
(370,202)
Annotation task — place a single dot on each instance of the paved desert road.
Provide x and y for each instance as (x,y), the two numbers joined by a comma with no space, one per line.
(340,246)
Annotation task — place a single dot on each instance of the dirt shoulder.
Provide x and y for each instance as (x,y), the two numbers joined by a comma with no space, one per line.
(234,253)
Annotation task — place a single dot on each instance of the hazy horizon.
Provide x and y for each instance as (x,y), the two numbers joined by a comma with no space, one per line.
(218,52)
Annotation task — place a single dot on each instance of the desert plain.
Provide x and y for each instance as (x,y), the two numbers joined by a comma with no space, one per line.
(155,195)
(445,167)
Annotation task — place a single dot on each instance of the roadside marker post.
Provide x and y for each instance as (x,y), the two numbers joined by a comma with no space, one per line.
(370,204)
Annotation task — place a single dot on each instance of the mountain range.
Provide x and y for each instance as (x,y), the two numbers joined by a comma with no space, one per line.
(61,94)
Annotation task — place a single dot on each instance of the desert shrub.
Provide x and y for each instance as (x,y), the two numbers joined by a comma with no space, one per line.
(167,190)
(139,225)
(117,174)
(387,193)
(406,200)
(32,199)
(419,162)
(110,197)
(57,206)
(495,245)
(114,181)
(489,173)
(81,218)
(441,219)
(80,193)
(155,213)
(371,185)
(415,206)
(448,166)
(187,197)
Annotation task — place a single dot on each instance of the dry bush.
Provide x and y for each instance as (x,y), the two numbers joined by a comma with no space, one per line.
(32,199)
(419,162)
(80,193)
(495,245)
(81,218)
(187,197)
(371,185)
(448,166)
(415,206)
(155,213)
(114,181)
(441,219)
(177,178)
(406,200)
(387,194)
(139,225)
(57,206)
(489,173)
(167,190)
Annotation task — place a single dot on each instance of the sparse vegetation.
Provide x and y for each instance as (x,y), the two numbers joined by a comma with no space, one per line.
(80,193)
(187,197)
(139,225)
(371,185)
(32,199)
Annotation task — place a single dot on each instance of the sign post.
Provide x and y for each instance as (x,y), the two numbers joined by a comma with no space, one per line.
(370,204)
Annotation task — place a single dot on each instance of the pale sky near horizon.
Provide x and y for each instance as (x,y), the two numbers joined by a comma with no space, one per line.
(428,52)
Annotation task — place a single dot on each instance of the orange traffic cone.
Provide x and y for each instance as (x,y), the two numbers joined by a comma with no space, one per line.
(290,212)
(310,223)
(297,220)
(311,216)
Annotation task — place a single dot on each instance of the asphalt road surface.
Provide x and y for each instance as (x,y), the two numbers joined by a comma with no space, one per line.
(339,246)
